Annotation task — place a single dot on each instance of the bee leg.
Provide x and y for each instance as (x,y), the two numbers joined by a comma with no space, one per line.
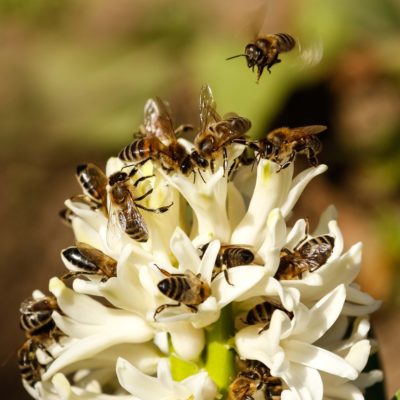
(226,275)
(306,231)
(142,179)
(143,196)
(225,157)
(162,308)
(42,347)
(192,308)
(264,328)
(201,176)
(159,210)
(288,162)
(312,157)
(72,274)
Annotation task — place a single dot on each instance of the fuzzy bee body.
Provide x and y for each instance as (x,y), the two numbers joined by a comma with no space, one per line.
(216,133)
(283,144)
(261,314)
(188,289)
(255,377)
(308,255)
(90,261)
(36,315)
(93,182)
(230,256)
(158,141)
(29,367)
(264,51)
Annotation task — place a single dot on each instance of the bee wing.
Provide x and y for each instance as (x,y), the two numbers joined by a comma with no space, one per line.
(158,122)
(308,130)
(208,111)
(114,227)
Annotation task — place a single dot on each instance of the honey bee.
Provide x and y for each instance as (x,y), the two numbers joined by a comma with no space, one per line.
(255,377)
(36,315)
(29,367)
(230,256)
(215,133)
(186,288)
(93,182)
(265,50)
(283,144)
(308,255)
(261,314)
(90,261)
(123,207)
(157,141)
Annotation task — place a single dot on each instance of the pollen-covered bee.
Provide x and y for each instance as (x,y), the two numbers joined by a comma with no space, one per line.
(158,141)
(230,256)
(216,133)
(308,255)
(255,377)
(265,50)
(123,207)
(283,144)
(89,261)
(93,182)
(188,289)
(36,315)
(261,314)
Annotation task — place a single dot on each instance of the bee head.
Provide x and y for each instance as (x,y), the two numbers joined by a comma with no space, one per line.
(199,160)
(117,177)
(253,55)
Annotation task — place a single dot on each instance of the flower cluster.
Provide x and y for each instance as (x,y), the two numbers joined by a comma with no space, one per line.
(186,281)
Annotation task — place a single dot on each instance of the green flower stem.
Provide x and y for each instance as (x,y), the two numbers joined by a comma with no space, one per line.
(220,358)
(181,369)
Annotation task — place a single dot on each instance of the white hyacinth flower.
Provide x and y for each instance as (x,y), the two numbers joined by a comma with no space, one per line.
(170,321)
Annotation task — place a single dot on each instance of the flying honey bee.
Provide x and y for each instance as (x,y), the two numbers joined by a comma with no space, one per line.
(186,288)
(264,51)
(157,141)
(123,206)
(90,261)
(308,255)
(230,256)
(255,377)
(36,315)
(261,314)
(283,144)
(216,133)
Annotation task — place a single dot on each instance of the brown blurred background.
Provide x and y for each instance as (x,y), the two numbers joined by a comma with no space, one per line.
(74,79)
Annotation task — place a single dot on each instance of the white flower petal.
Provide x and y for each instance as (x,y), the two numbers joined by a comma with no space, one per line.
(188,342)
(305,382)
(184,251)
(323,315)
(329,214)
(317,358)
(139,384)
(298,185)
(270,191)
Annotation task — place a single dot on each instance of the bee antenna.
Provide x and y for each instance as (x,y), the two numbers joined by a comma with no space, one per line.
(239,55)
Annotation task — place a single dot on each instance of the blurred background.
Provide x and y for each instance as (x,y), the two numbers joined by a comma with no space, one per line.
(75,76)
